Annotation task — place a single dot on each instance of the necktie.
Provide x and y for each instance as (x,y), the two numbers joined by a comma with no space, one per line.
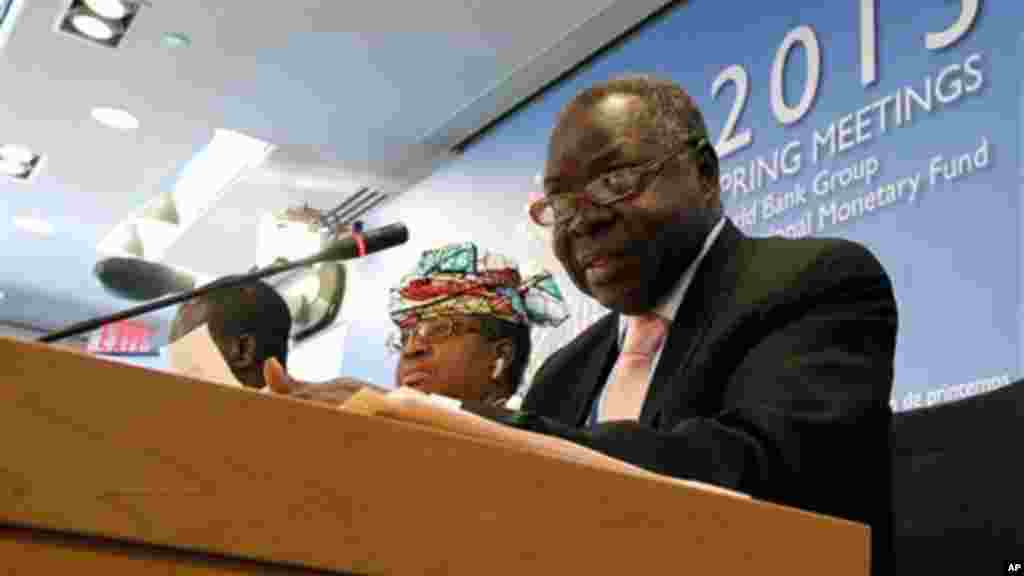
(631,375)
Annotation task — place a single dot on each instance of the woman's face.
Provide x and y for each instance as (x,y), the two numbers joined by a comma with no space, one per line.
(453,359)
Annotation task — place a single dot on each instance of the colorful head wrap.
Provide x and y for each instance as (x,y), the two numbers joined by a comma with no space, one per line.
(459,279)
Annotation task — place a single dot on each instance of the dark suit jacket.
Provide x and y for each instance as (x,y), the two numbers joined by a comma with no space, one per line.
(775,380)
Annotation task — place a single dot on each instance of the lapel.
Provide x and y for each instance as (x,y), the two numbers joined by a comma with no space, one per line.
(709,292)
(600,354)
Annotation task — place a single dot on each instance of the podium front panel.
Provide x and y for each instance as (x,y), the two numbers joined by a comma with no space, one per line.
(101,449)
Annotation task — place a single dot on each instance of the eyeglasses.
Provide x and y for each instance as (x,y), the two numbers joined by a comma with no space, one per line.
(606,189)
(431,331)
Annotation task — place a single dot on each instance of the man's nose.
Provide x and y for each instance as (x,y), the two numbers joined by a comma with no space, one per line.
(415,346)
(589,218)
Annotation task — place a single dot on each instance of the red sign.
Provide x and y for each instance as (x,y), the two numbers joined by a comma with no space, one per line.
(122,337)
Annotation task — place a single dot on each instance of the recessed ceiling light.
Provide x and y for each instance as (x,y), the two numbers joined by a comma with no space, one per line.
(5,7)
(110,9)
(18,154)
(206,176)
(93,27)
(9,11)
(176,40)
(12,168)
(34,225)
(115,118)
(18,161)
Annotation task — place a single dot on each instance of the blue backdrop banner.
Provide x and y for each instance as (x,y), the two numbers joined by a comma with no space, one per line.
(895,124)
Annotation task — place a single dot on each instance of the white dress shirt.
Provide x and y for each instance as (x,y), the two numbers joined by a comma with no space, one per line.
(666,308)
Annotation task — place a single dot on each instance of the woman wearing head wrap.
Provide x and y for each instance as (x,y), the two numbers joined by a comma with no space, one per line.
(464,317)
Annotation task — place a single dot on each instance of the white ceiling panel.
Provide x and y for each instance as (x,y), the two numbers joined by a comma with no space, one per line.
(351,93)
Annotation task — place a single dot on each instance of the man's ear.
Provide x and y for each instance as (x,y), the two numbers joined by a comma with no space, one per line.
(505,350)
(243,352)
(707,170)
(713,201)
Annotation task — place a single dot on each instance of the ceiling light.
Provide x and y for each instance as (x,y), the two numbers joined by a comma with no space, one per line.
(9,11)
(210,172)
(34,226)
(115,118)
(18,162)
(206,177)
(18,154)
(103,22)
(109,9)
(309,183)
(176,40)
(93,27)
(11,168)
(5,7)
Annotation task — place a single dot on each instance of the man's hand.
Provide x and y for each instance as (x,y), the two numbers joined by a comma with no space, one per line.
(369,402)
(333,393)
(413,406)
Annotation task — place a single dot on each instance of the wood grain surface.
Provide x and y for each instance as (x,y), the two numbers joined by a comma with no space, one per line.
(97,448)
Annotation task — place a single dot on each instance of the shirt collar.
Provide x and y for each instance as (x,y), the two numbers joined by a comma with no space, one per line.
(669,304)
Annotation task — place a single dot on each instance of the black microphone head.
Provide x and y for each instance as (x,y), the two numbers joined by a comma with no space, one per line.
(385,237)
(372,241)
(135,279)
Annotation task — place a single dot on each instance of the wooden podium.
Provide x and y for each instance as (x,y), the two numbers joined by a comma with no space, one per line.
(112,469)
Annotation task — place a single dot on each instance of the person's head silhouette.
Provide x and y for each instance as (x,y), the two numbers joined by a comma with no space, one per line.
(249,323)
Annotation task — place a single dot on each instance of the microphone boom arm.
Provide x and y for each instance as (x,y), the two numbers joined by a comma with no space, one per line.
(359,245)
(88,325)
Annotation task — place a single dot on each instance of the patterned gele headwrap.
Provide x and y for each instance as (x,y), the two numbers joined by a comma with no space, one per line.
(460,279)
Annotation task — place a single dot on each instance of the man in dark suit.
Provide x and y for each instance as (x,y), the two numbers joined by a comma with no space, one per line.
(761,365)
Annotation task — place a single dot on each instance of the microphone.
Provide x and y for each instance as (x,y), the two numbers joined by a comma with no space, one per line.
(358,245)
(355,246)
(137,279)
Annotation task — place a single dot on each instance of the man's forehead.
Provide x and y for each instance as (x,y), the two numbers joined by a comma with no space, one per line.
(619,105)
(615,123)
(609,114)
